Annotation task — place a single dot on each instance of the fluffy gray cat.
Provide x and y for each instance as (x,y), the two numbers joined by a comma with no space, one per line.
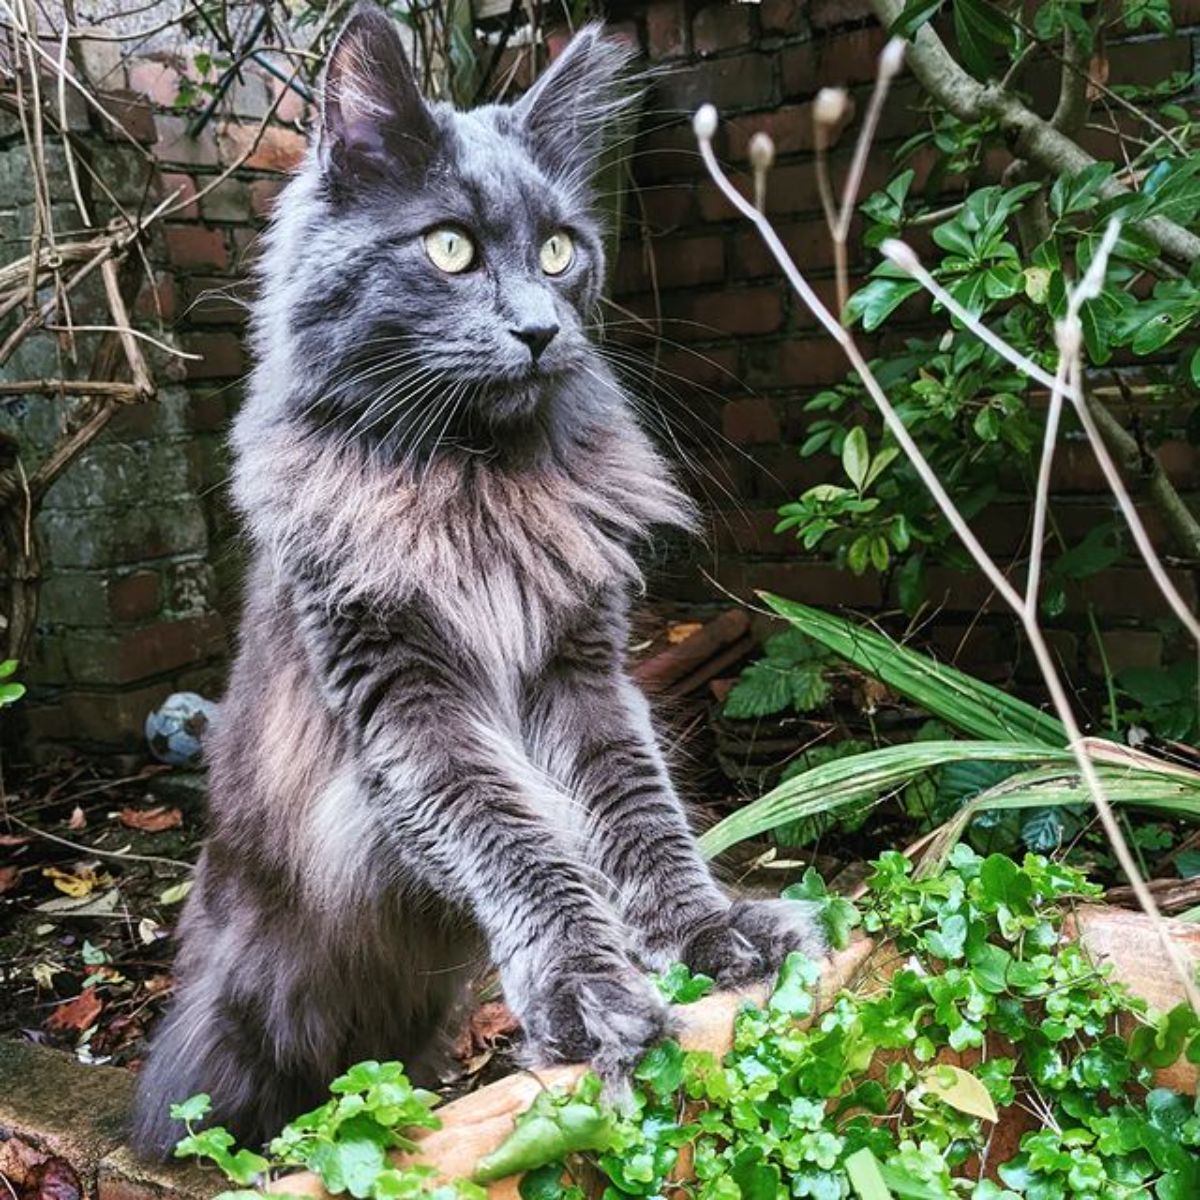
(430,752)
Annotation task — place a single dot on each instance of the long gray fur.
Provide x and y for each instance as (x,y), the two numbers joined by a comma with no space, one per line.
(430,753)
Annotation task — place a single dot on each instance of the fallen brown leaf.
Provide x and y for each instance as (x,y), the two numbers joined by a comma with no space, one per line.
(78,1014)
(488,1024)
(151,820)
(8,878)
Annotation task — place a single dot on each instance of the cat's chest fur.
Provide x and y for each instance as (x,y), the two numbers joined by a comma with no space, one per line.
(504,557)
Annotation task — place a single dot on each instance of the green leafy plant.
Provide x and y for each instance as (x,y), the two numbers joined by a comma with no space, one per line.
(868,1098)
(862,1098)
(789,676)
(10,690)
(1012,760)
(346,1141)
(1008,251)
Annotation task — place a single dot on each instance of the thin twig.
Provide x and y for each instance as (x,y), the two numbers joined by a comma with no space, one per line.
(120,855)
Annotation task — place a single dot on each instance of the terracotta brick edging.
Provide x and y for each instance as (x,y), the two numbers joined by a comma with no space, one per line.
(62,1127)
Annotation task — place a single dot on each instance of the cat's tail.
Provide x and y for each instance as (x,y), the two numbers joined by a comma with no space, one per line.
(203,1047)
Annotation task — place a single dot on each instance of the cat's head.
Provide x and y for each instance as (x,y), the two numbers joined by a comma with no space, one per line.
(432,269)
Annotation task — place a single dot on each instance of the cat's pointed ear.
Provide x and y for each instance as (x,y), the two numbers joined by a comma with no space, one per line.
(567,112)
(374,122)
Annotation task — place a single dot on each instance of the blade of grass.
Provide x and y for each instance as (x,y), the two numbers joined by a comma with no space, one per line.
(977,708)
(834,785)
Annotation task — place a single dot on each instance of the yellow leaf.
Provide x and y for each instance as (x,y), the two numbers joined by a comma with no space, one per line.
(44,973)
(82,883)
(960,1090)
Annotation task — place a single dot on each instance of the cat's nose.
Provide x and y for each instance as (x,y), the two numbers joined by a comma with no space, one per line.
(536,337)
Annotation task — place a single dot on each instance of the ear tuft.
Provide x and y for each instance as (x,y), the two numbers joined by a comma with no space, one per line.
(374,122)
(569,110)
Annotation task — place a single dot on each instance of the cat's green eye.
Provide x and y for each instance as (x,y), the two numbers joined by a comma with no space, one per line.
(557,253)
(450,249)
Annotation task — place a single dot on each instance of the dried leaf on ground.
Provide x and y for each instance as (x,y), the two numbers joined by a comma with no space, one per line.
(8,878)
(151,820)
(680,631)
(78,1014)
(78,883)
(488,1024)
(103,905)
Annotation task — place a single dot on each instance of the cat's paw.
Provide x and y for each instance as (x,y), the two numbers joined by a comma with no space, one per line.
(601,1014)
(749,940)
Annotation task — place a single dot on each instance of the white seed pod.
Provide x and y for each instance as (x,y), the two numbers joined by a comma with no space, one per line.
(704,123)
(761,151)
(891,58)
(900,253)
(831,106)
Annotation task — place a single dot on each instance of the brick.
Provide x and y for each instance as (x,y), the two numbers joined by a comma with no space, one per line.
(292,109)
(796,362)
(133,114)
(228,201)
(665,22)
(213,300)
(670,262)
(828,14)
(157,79)
(134,597)
(749,420)
(115,720)
(849,58)
(251,95)
(722,26)
(712,367)
(142,653)
(728,313)
(1185,13)
(799,74)
(209,409)
(263,193)
(816,583)
(159,303)
(789,127)
(277,149)
(196,246)
(74,598)
(221,356)
(741,82)
(752,531)
(178,147)
(168,527)
(808,242)
(185,187)
(782,16)
(667,151)
(667,206)
(1125,648)
(1149,62)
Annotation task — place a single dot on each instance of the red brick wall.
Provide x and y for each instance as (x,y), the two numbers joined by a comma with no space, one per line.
(733,355)
(739,354)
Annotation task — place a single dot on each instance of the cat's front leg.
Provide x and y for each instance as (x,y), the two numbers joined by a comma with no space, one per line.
(463,818)
(603,748)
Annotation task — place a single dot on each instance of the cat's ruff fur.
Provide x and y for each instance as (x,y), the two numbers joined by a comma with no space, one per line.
(430,753)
